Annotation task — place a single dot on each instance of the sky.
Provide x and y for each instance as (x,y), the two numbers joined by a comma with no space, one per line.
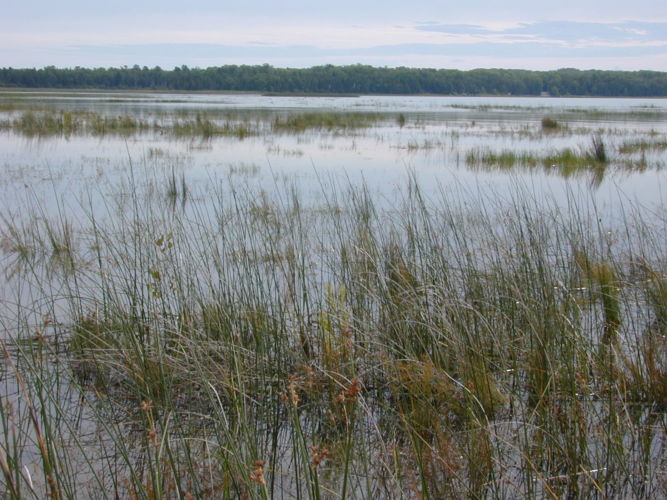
(537,35)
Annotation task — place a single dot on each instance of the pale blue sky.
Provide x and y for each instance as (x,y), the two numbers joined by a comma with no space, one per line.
(609,34)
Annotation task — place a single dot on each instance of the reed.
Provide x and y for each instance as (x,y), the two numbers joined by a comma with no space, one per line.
(255,345)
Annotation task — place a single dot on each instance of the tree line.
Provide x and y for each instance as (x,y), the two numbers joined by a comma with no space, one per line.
(353,79)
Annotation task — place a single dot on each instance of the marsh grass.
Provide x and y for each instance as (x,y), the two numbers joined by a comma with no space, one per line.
(177,189)
(47,123)
(401,120)
(52,123)
(549,124)
(299,122)
(252,345)
(642,146)
(65,123)
(592,160)
(598,152)
(205,127)
(566,158)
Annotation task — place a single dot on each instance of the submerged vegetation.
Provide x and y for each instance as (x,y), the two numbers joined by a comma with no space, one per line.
(254,345)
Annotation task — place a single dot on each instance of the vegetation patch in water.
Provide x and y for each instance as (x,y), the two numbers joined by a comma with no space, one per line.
(327,121)
(630,147)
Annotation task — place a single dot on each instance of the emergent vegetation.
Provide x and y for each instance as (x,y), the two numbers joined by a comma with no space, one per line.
(66,123)
(250,346)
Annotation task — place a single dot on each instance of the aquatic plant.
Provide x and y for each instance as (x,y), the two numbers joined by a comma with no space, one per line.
(549,124)
(253,344)
(299,122)
(598,150)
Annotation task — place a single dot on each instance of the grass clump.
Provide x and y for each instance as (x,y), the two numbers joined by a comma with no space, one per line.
(401,120)
(564,162)
(566,158)
(598,150)
(502,159)
(549,124)
(300,122)
(206,128)
(66,123)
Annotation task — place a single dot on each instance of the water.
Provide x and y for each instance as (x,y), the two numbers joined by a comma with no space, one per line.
(437,135)
(427,138)
(77,177)
(80,176)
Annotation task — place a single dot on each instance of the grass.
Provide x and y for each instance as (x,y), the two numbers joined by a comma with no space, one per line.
(565,162)
(48,123)
(642,146)
(507,159)
(251,345)
(67,123)
(598,151)
(299,122)
(549,124)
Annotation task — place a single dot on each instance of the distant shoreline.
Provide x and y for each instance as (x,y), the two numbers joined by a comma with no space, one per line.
(94,91)
(343,81)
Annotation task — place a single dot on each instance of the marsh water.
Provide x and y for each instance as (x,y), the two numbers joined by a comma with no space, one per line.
(73,160)
(381,141)
(429,137)
(180,147)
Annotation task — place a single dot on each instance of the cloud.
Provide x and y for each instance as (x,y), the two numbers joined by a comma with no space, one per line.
(609,32)
(566,32)
(454,29)
(627,44)
(296,52)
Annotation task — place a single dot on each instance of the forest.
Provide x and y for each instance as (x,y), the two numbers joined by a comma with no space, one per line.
(353,79)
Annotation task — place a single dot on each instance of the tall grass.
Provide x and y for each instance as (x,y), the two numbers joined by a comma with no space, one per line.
(254,345)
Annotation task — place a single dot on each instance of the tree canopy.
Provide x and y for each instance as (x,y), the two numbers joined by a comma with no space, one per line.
(354,79)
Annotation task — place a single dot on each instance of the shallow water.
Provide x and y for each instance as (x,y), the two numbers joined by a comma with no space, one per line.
(426,138)
(433,142)
(76,178)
